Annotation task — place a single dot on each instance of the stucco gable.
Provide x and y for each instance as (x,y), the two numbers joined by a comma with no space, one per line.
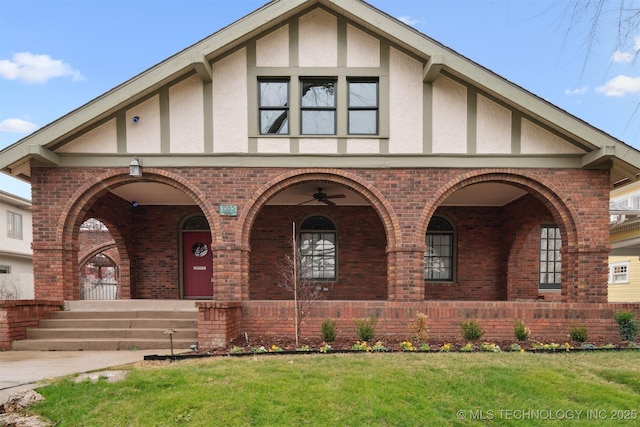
(268,29)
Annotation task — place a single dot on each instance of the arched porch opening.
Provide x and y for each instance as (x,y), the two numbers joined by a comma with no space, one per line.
(501,250)
(347,260)
(144,216)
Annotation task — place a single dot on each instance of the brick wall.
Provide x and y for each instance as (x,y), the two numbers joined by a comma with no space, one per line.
(403,200)
(361,242)
(546,320)
(16,316)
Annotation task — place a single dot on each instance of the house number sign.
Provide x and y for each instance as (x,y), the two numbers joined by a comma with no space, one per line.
(228,210)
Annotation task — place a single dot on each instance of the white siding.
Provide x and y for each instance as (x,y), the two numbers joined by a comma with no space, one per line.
(102,139)
(449,116)
(536,140)
(405,104)
(272,50)
(493,127)
(318,39)
(143,136)
(362,49)
(230,129)
(186,116)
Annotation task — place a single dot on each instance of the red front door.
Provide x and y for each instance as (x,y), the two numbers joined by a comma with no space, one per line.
(197,264)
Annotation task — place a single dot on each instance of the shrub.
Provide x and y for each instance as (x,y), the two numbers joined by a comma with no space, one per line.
(578,333)
(520,331)
(627,325)
(366,328)
(471,330)
(420,327)
(329,330)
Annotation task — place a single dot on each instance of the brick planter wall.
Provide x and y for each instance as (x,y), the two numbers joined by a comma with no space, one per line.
(16,316)
(546,320)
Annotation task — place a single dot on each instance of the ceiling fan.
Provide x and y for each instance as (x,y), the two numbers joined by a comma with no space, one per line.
(324,198)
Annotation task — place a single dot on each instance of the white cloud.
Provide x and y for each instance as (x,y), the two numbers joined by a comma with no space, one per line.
(409,21)
(577,91)
(620,86)
(636,45)
(30,68)
(622,57)
(17,126)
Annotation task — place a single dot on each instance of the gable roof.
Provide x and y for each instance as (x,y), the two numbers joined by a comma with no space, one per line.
(604,151)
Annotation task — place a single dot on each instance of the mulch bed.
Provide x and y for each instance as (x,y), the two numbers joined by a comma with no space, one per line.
(286,345)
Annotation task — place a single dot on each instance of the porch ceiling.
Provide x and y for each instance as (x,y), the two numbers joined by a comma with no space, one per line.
(484,194)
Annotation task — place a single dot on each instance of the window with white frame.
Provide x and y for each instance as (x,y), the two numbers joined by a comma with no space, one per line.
(550,258)
(5,269)
(619,272)
(318,248)
(14,225)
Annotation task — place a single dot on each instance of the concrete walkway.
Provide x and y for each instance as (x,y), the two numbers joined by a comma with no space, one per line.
(20,370)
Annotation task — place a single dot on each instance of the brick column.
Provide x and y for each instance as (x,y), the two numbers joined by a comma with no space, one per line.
(218,323)
(406,276)
(229,271)
(55,275)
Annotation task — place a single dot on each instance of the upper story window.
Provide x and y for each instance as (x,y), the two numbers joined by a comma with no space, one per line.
(5,269)
(318,107)
(315,102)
(14,225)
(318,248)
(274,107)
(363,107)
(439,258)
(550,258)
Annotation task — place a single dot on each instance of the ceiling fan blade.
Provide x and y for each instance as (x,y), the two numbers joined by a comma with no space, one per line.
(312,200)
(327,202)
(336,196)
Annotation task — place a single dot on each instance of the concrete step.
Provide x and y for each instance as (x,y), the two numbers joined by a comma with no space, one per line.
(132,305)
(98,344)
(156,334)
(118,323)
(147,314)
(115,325)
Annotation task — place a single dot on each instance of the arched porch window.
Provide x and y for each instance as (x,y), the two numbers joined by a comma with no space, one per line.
(318,248)
(439,257)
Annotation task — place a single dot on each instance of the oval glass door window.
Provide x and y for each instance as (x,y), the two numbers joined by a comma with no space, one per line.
(200,249)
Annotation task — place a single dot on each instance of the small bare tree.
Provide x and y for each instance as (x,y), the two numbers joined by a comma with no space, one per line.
(296,276)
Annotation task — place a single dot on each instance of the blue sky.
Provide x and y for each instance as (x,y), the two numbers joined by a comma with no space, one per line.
(56,55)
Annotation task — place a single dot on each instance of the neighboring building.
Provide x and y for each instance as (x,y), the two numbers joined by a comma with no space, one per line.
(417,180)
(624,260)
(16,257)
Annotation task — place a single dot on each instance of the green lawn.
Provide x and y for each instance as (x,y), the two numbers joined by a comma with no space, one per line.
(362,389)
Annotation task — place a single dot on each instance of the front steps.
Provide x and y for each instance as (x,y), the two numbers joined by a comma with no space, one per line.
(115,325)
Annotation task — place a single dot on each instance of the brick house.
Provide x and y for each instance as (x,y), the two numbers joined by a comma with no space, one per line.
(418,181)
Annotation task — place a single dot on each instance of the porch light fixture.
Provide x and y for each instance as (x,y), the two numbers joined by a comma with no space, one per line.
(135,167)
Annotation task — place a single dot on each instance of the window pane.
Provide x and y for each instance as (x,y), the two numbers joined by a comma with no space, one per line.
(362,94)
(274,94)
(363,122)
(274,122)
(316,122)
(318,94)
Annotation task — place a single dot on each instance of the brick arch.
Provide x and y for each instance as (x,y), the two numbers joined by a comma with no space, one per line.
(80,203)
(564,214)
(550,196)
(349,180)
(95,251)
(73,212)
